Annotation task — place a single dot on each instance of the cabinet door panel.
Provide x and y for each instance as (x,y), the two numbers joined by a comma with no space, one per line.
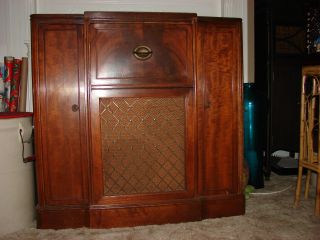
(62,140)
(220,107)
(112,60)
(144,145)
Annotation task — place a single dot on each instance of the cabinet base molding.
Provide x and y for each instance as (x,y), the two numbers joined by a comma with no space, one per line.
(143,215)
(129,216)
(223,206)
(62,218)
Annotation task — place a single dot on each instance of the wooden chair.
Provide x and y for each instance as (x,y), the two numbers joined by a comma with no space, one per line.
(309,132)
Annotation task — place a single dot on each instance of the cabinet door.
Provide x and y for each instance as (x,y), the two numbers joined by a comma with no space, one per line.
(60,114)
(141,53)
(219,106)
(143,145)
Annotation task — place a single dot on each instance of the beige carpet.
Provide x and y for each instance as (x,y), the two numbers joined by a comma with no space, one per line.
(269,215)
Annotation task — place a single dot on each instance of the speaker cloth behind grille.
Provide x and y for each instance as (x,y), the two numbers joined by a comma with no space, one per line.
(143,144)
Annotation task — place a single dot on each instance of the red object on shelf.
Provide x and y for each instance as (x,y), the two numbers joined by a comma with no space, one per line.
(8,62)
(15,85)
(8,115)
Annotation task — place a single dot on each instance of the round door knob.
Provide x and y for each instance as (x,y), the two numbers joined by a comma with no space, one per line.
(75,107)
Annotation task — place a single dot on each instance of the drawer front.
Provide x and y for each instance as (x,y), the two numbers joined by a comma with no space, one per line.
(141,53)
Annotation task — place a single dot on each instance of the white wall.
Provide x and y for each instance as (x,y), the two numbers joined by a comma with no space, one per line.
(15,33)
(17,197)
(243,9)
(250,41)
(202,7)
(15,27)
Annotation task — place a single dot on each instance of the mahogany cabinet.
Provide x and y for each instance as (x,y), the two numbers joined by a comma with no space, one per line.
(138,118)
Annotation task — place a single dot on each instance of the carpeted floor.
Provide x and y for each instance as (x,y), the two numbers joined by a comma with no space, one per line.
(269,215)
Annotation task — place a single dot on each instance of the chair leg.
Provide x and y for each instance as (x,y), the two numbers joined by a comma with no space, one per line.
(298,188)
(317,208)
(306,192)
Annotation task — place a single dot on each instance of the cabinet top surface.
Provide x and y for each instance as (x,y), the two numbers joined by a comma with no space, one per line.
(121,15)
(132,16)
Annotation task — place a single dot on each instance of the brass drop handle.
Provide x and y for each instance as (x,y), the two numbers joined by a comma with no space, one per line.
(142,53)
(75,108)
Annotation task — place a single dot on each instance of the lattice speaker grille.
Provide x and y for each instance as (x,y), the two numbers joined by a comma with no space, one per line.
(143,145)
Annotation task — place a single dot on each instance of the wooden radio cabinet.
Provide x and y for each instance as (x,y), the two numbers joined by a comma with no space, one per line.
(138,118)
